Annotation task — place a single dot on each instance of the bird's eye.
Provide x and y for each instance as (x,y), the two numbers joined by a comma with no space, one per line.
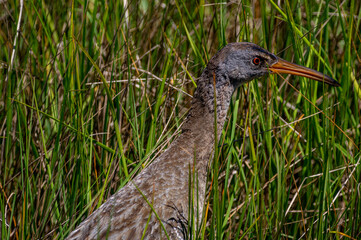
(256,60)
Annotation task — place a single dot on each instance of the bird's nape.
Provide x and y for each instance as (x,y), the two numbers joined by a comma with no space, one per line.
(283,66)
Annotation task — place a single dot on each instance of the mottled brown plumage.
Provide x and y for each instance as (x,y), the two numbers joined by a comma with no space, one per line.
(165,183)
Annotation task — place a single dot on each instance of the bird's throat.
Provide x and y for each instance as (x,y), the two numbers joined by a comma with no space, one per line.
(205,120)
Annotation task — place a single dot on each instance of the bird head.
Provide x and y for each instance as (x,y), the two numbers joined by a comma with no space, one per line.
(242,62)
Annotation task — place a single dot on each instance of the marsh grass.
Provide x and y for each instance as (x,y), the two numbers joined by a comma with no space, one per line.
(98,89)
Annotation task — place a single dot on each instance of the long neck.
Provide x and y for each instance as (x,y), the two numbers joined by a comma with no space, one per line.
(200,120)
(193,149)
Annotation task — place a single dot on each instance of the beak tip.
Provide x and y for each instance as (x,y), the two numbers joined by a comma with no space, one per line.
(333,82)
(337,84)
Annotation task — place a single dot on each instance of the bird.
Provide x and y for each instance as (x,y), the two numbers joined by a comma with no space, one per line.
(155,204)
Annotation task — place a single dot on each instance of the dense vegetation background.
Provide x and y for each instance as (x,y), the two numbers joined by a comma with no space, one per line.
(95,90)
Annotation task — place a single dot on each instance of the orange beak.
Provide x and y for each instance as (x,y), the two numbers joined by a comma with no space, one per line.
(283,66)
